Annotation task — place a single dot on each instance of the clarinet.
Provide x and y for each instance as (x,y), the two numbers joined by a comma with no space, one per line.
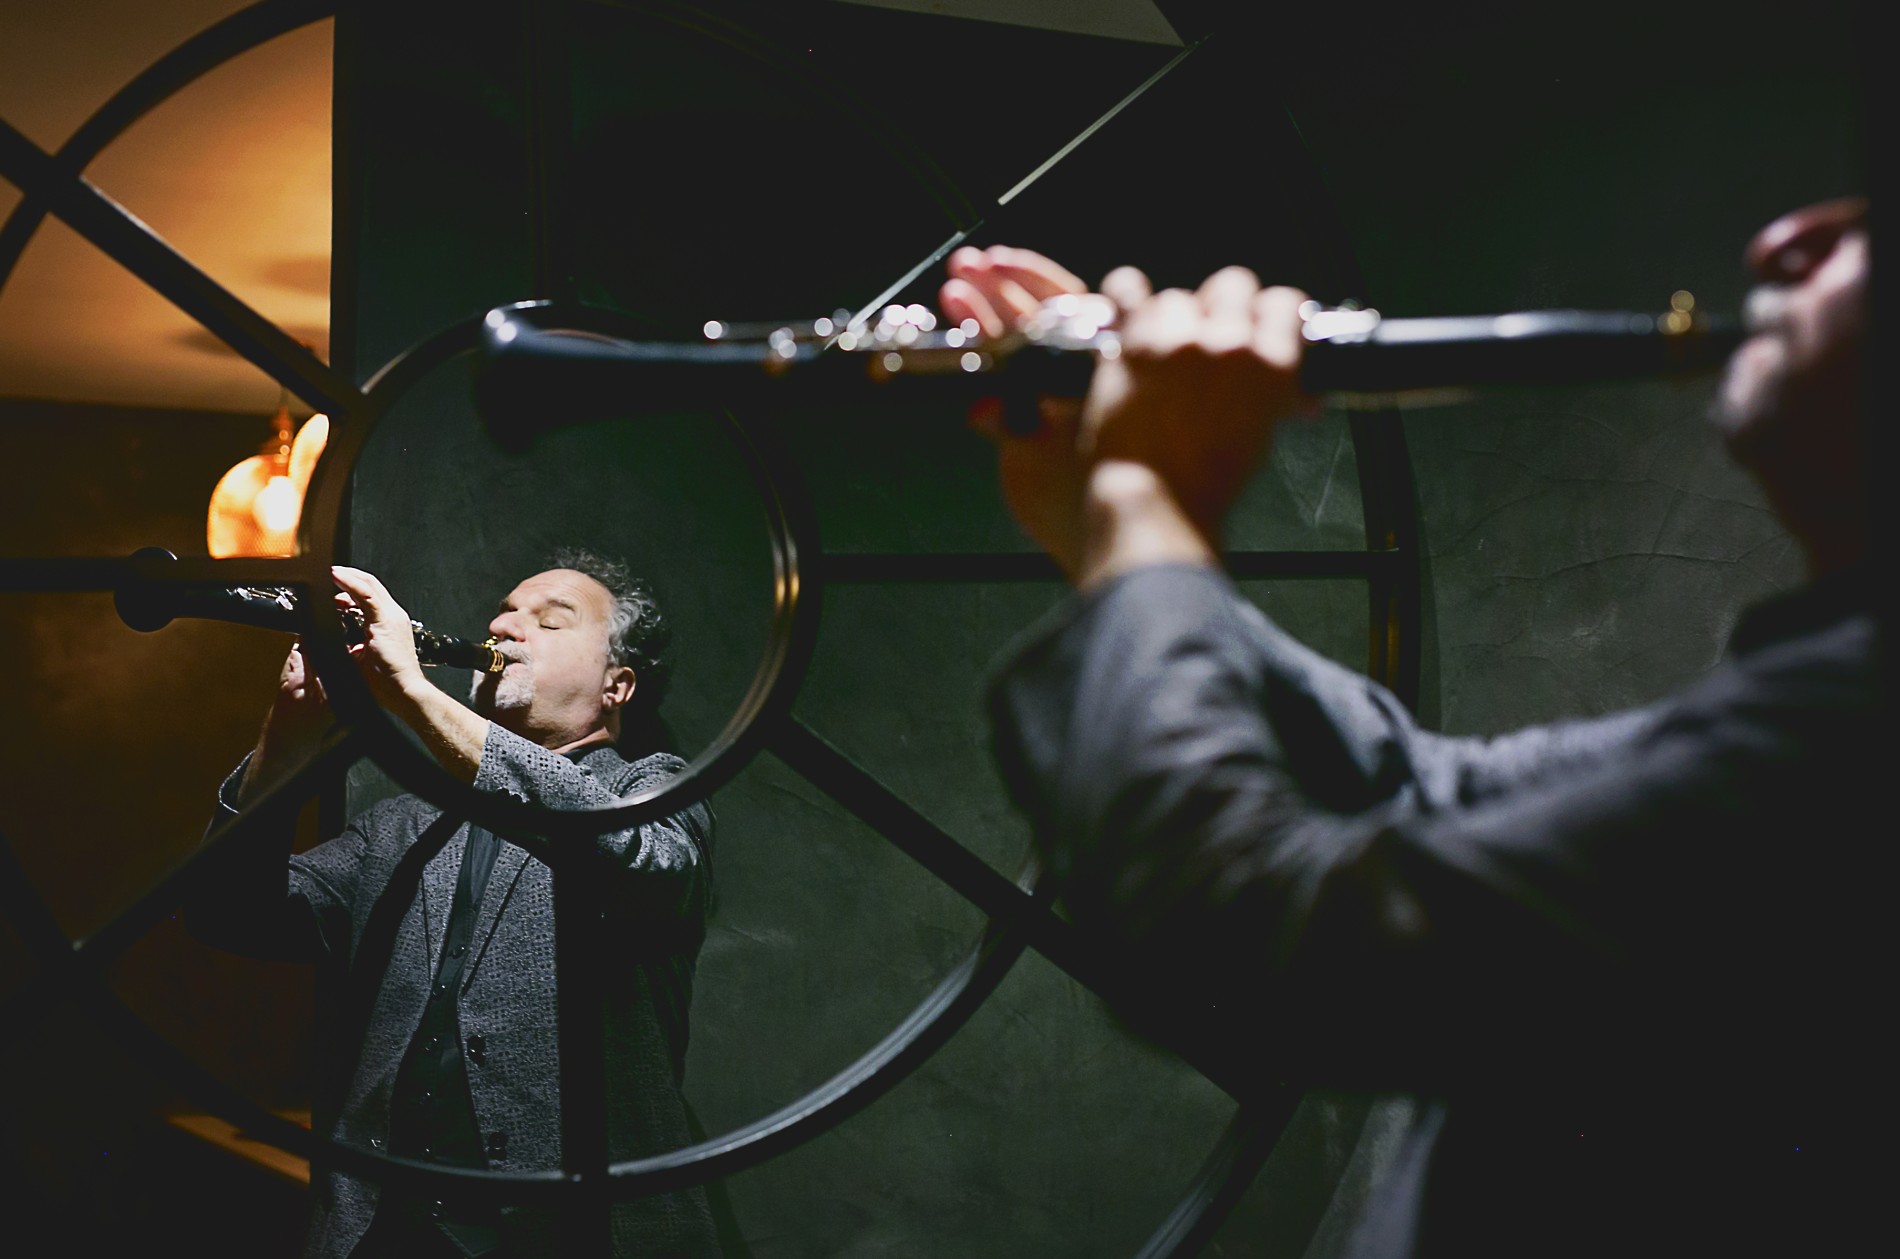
(1354,358)
(148,606)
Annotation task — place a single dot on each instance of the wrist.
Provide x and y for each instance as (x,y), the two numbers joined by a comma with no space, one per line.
(286,740)
(413,694)
(454,733)
(1132,520)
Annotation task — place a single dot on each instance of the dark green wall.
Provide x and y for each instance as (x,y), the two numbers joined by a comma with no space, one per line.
(1587,547)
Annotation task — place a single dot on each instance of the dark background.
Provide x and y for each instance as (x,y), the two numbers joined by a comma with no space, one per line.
(1585,548)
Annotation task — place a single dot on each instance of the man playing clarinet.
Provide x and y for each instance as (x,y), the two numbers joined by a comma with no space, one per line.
(1629,968)
(458,1059)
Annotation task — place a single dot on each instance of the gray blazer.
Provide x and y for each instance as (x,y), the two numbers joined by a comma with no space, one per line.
(506,1004)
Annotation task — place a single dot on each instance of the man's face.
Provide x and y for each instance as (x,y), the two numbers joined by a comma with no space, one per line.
(560,683)
(1794,387)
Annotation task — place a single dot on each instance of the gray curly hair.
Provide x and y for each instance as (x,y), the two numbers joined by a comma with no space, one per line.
(637,634)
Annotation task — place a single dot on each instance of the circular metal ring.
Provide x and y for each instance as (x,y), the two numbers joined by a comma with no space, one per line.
(794,629)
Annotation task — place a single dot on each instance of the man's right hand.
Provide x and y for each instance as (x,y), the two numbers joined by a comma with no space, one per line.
(1202,381)
(299,715)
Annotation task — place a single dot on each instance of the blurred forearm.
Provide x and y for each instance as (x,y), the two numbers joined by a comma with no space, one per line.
(1131,521)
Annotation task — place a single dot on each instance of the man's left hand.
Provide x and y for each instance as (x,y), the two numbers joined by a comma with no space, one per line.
(1171,430)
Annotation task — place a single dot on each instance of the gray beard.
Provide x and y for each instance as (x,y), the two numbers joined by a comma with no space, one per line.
(512,690)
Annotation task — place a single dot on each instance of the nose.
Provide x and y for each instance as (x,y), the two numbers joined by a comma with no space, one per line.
(1789,249)
(506,625)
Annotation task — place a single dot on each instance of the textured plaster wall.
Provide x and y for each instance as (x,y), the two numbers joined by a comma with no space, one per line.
(1589,546)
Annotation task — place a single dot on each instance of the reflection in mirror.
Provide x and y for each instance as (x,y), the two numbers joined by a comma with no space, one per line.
(612,567)
(487,544)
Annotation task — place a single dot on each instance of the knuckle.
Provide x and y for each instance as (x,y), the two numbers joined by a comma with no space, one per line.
(1230,351)
(1142,351)
(1280,304)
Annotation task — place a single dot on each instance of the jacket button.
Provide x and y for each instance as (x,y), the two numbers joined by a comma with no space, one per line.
(477,1048)
(498,1145)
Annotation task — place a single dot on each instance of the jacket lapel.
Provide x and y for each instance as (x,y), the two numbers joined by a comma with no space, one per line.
(509,863)
(438,891)
(603,760)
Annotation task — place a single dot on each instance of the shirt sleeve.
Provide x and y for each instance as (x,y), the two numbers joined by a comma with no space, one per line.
(664,864)
(1275,856)
(259,899)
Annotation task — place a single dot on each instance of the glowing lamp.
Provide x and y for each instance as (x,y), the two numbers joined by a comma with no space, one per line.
(257,504)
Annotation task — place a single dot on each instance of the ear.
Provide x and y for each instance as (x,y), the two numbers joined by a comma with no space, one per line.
(617,688)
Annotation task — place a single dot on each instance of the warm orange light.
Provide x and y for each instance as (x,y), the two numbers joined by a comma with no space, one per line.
(256,505)
(277,506)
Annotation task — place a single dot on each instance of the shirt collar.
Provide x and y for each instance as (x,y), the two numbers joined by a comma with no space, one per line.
(580,755)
